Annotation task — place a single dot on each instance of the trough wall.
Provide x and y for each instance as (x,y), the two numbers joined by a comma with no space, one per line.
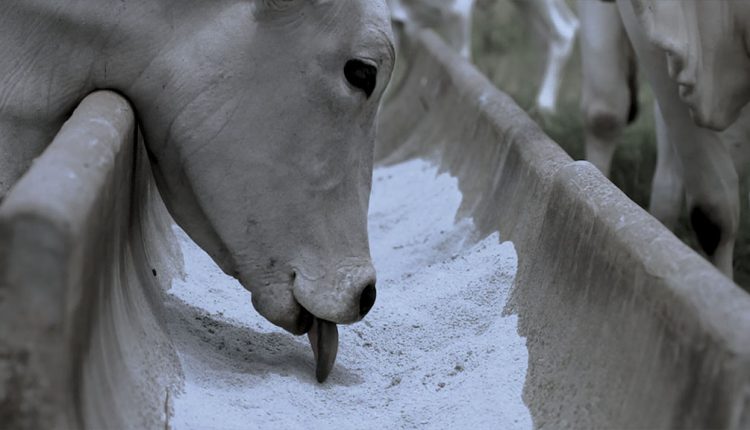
(626,327)
(85,253)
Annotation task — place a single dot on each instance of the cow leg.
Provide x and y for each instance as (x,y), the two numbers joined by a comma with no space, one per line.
(714,204)
(736,138)
(458,26)
(601,130)
(707,171)
(709,176)
(736,141)
(667,190)
(558,25)
(607,65)
(464,9)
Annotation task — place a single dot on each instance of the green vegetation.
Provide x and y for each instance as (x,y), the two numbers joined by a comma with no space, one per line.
(508,51)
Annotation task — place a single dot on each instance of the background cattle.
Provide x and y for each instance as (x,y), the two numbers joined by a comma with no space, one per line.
(609,92)
(704,163)
(503,51)
(705,45)
(452,19)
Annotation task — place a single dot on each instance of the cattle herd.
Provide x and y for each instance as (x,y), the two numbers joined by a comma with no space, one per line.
(693,54)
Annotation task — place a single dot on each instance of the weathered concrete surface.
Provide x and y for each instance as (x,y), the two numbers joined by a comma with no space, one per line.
(626,326)
(84,247)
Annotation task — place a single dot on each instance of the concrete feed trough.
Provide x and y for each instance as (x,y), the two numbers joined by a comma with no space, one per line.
(86,250)
(624,326)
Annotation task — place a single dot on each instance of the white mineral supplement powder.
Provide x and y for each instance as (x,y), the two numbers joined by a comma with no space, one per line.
(435,351)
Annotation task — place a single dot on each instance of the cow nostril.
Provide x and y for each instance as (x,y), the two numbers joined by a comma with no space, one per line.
(367,299)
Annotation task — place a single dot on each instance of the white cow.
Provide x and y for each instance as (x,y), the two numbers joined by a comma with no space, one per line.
(699,52)
(705,44)
(608,86)
(609,102)
(259,120)
(452,20)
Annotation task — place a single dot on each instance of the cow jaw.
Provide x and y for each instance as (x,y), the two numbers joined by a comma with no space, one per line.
(324,340)
(297,319)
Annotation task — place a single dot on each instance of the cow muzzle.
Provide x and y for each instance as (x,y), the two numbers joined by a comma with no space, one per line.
(345,298)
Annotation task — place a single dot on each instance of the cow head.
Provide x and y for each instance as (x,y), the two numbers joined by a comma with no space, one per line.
(261,127)
(706,44)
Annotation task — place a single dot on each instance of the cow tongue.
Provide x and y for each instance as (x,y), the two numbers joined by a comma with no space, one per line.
(324,339)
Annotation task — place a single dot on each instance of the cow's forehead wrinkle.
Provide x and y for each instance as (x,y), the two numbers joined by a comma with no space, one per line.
(362,26)
(364,31)
(363,17)
(382,41)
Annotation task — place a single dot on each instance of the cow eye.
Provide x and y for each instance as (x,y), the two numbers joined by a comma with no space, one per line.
(361,75)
